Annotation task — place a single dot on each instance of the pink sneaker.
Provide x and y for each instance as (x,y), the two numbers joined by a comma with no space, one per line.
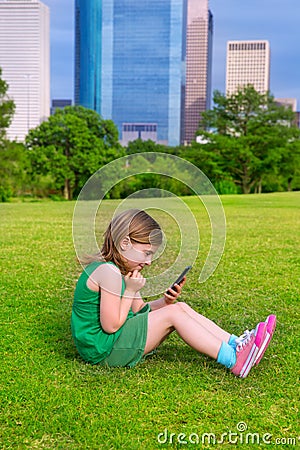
(248,346)
(270,328)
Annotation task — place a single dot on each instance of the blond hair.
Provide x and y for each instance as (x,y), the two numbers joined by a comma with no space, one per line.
(134,223)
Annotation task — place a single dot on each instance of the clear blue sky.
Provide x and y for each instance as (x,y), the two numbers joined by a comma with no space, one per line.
(275,20)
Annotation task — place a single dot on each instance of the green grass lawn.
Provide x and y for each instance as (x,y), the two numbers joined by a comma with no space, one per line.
(51,399)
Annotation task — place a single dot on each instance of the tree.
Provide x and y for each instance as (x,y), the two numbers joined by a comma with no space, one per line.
(249,134)
(201,156)
(13,169)
(10,163)
(71,145)
(7,108)
(290,165)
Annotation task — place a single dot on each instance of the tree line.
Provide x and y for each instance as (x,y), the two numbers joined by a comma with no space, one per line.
(247,143)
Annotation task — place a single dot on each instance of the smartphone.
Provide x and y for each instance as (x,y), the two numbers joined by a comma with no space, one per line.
(180,278)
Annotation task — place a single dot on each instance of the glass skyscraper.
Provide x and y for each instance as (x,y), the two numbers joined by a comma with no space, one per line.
(130,65)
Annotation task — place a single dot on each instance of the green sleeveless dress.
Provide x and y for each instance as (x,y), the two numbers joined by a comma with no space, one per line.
(123,348)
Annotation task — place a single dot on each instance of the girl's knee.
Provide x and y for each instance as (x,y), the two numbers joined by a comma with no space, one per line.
(178,308)
(174,308)
(171,307)
(182,305)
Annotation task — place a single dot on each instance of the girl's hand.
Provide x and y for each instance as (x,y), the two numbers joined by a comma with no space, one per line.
(171,295)
(134,281)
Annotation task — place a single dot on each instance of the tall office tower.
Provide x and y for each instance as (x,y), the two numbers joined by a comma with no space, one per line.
(130,64)
(199,33)
(25,62)
(248,62)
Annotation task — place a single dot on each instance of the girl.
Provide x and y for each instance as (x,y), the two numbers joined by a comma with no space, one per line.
(112,325)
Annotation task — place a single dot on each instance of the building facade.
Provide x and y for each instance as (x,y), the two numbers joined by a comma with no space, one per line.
(287,102)
(292,104)
(25,62)
(199,35)
(248,63)
(59,103)
(132,65)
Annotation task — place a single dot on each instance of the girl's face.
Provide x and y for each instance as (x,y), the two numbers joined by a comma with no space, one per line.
(137,255)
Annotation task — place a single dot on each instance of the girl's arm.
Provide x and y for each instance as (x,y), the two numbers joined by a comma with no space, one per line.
(138,303)
(113,309)
(168,298)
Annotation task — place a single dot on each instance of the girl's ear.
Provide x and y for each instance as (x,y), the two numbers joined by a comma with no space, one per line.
(125,243)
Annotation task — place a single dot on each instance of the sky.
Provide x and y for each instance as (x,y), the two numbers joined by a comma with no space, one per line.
(274,20)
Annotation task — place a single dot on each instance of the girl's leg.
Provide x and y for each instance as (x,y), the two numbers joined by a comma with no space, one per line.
(206,323)
(162,322)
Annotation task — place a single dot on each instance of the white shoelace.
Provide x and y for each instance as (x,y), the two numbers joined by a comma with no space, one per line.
(243,340)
